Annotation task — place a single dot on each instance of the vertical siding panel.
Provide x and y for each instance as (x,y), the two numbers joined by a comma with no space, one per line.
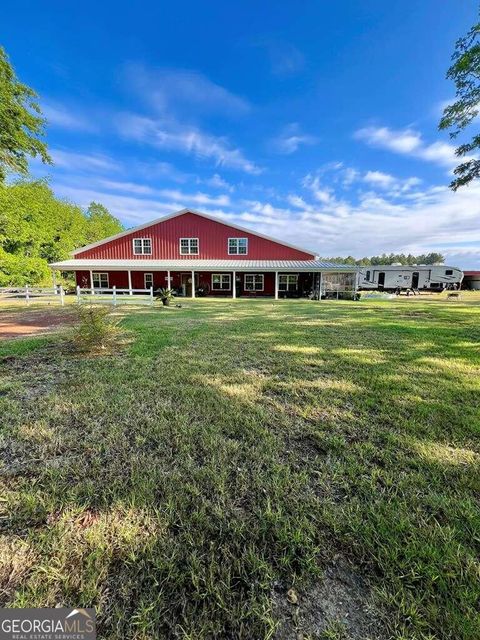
(213,242)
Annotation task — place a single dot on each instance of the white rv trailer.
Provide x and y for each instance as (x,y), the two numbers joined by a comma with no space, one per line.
(396,277)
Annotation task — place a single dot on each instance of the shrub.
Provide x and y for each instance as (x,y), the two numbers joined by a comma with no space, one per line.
(95,328)
(165,295)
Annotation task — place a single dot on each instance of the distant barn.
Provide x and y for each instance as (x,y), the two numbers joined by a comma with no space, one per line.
(471,280)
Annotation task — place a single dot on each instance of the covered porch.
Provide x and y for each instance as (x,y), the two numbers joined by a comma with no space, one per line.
(281,279)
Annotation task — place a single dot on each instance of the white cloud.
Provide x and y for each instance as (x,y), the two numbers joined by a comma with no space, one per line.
(401,141)
(322,194)
(408,142)
(154,170)
(299,203)
(167,134)
(82,161)
(349,176)
(132,206)
(380,179)
(129,187)
(436,219)
(439,152)
(291,138)
(174,90)
(60,117)
(217,182)
(395,186)
(196,198)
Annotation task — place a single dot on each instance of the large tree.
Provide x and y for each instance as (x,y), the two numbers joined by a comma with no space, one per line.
(465,73)
(21,123)
(101,223)
(36,228)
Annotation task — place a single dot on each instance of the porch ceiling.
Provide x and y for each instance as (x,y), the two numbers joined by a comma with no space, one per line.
(202,265)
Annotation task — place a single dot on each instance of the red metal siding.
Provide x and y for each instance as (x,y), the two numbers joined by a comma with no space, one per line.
(213,240)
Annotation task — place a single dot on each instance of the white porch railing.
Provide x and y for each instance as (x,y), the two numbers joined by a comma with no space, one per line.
(115,296)
(29,294)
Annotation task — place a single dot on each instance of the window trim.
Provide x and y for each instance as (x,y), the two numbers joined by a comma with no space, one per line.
(237,252)
(100,274)
(142,252)
(147,273)
(189,252)
(222,275)
(254,275)
(288,275)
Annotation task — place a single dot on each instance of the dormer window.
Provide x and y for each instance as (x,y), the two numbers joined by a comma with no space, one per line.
(142,246)
(237,246)
(189,246)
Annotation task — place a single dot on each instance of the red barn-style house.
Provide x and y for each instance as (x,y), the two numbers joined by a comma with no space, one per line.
(196,254)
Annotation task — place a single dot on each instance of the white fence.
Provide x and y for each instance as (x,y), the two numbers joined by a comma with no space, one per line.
(27,294)
(56,295)
(115,296)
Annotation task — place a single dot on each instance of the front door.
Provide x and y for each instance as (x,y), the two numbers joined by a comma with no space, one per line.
(415,276)
(381,279)
(186,282)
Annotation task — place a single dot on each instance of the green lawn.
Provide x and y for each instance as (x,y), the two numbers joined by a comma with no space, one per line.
(233,450)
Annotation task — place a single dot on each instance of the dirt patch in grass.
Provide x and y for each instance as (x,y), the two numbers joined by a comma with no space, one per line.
(18,324)
(339,606)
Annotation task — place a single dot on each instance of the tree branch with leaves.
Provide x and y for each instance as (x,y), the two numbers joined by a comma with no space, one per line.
(465,73)
(21,123)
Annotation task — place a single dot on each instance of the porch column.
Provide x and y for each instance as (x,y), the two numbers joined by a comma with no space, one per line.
(91,281)
(276,285)
(234,285)
(193,284)
(168,280)
(130,292)
(320,287)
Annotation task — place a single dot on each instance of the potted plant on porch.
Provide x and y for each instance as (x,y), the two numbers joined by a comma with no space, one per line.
(165,295)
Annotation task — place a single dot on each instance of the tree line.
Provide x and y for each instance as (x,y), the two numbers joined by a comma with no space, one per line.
(36,228)
(391,258)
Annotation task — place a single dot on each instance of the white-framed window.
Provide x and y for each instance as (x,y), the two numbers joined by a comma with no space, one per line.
(100,280)
(237,246)
(287,282)
(148,280)
(142,246)
(221,282)
(189,246)
(253,282)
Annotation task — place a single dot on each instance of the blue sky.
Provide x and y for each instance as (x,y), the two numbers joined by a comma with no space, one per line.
(312,121)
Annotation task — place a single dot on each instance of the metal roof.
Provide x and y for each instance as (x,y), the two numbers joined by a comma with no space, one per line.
(193,264)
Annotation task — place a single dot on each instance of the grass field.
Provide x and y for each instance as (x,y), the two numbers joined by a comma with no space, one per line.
(232,451)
